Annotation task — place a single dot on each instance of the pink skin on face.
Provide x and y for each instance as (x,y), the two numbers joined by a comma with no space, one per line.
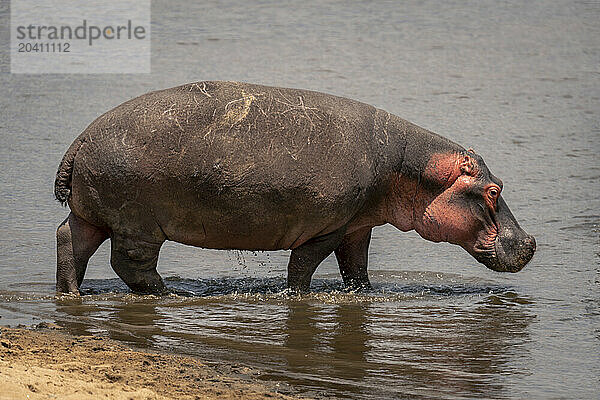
(434,205)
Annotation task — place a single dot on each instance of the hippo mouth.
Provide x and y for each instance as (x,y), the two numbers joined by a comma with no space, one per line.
(503,248)
(499,259)
(504,254)
(484,249)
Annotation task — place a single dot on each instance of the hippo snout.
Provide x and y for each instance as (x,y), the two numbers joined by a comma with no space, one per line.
(512,254)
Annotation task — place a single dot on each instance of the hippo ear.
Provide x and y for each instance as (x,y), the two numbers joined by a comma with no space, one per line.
(466,165)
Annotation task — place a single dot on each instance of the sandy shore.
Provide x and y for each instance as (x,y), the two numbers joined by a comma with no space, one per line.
(49,364)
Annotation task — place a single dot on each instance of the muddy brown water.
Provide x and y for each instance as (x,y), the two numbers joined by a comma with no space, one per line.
(518,82)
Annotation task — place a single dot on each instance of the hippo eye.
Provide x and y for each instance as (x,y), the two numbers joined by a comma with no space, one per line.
(494,192)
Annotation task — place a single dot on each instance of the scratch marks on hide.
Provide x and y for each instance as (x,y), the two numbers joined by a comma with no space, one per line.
(200,89)
(172,115)
(298,107)
(235,112)
(379,128)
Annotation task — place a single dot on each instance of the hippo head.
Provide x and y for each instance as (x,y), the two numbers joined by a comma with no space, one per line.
(458,200)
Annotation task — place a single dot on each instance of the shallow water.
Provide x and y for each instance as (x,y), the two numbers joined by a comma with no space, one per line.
(517,82)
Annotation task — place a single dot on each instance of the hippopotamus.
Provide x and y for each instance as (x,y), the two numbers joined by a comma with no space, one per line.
(230,165)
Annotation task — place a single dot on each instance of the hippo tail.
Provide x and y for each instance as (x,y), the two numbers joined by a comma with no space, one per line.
(62,183)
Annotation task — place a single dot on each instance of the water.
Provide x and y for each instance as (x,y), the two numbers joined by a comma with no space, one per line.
(517,82)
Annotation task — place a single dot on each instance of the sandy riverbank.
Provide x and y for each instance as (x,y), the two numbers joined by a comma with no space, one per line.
(50,364)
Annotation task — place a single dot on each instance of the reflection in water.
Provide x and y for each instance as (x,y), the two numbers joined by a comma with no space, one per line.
(327,343)
(331,344)
(349,342)
(79,315)
(134,322)
(464,349)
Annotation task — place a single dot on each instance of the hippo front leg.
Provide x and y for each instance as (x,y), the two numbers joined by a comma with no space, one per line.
(305,259)
(352,255)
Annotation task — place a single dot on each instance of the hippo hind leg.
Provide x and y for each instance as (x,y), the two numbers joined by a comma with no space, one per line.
(352,256)
(76,241)
(134,260)
(305,259)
